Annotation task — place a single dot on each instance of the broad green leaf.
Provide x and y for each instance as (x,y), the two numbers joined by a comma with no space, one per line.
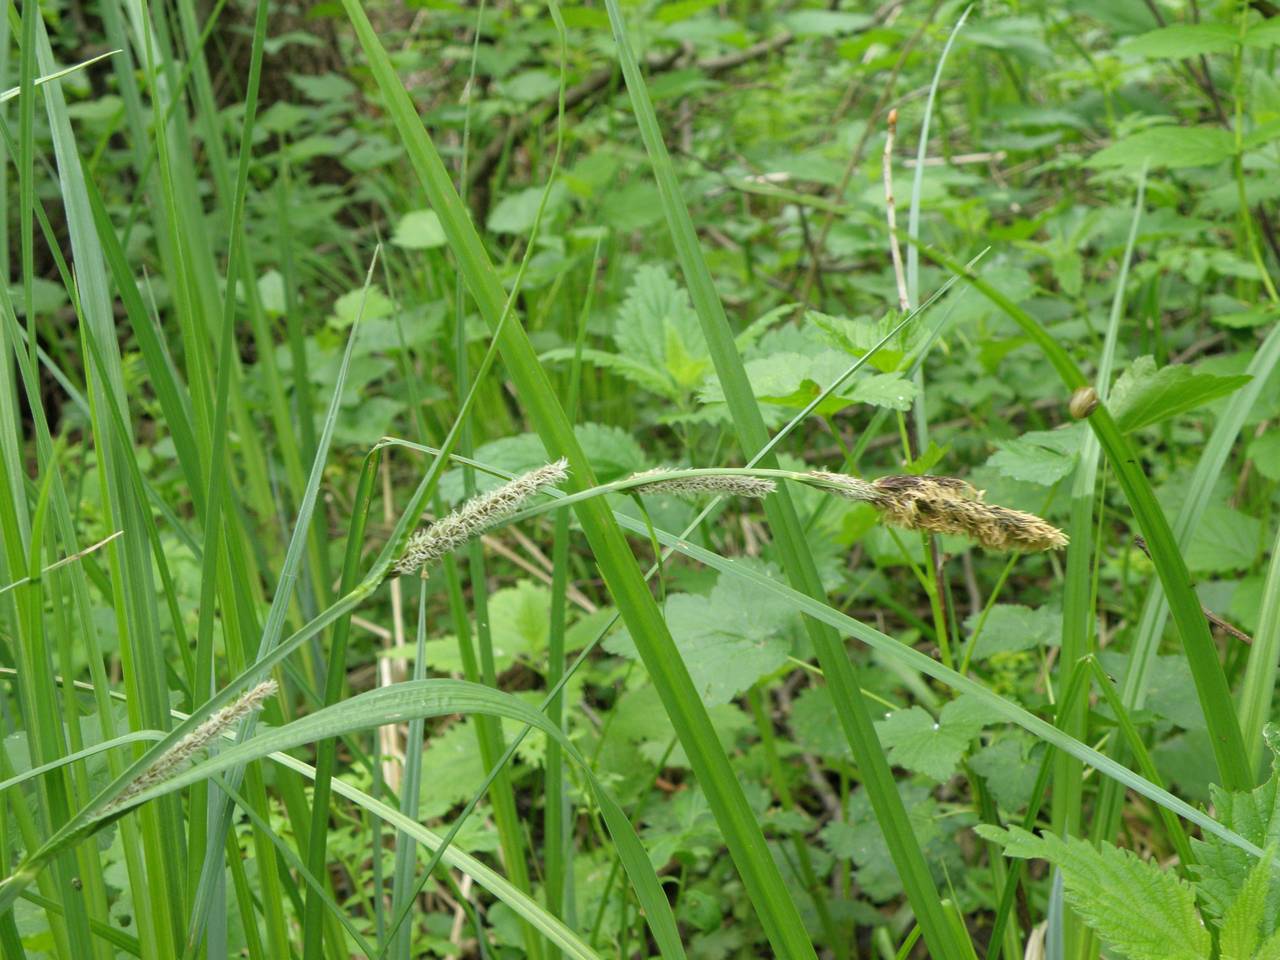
(657,329)
(1221,870)
(1041,456)
(347,308)
(1183,40)
(1244,920)
(451,767)
(517,212)
(1257,316)
(614,453)
(1264,34)
(888,390)
(1009,766)
(271,293)
(1145,395)
(728,639)
(824,23)
(796,379)
(861,840)
(811,726)
(522,614)
(419,230)
(1011,627)
(924,463)
(639,719)
(1225,540)
(1171,691)
(1167,147)
(636,370)
(918,743)
(1142,912)
(1264,451)
(857,335)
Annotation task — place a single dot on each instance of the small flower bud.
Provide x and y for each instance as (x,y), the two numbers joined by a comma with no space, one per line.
(1083,402)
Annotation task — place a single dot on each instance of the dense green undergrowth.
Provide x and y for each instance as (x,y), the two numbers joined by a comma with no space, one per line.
(288,284)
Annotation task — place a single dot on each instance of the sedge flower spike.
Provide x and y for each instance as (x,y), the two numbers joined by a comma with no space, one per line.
(480,513)
(168,762)
(728,484)
(946,505)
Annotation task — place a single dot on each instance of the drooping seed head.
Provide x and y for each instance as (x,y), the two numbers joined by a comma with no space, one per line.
(946,505)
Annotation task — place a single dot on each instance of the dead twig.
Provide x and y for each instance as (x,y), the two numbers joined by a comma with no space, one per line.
(891,215)
(1209,615)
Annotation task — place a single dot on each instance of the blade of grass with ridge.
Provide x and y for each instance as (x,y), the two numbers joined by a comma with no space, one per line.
(912,658)
(556,687)
(1234,770)
(842,677)
(419,699)
(896,651)
(488,731)
(1256,694)
(1067,800)
(922,663)
(326,750)
(211,869)
(135,595)
(763,880)
(1155,610)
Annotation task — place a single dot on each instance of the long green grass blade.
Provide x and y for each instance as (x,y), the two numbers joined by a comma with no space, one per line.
(670,677)
(842,677)
(1234,770)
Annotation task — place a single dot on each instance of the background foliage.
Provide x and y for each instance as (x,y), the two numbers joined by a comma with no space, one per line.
(254,241)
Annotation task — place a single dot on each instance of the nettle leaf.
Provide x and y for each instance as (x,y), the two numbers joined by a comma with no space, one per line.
(729,639)
(1221,869)
(1145,395)
(1264,34)
(613,451)
(1245,920)
(1010,767)
(1171,692)
(1225,540)
(918,743)
(1264,451)
(862,841)
(927,460)
(271,293)
(1139,910)
(1167,147)
(885,390)
(518,622)
(1183,40)
(856,336)
(795,379)
(657,329)
(520,616)
(1011,627)
(813,727)
(825,23)
(635,370)
(1041,456)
